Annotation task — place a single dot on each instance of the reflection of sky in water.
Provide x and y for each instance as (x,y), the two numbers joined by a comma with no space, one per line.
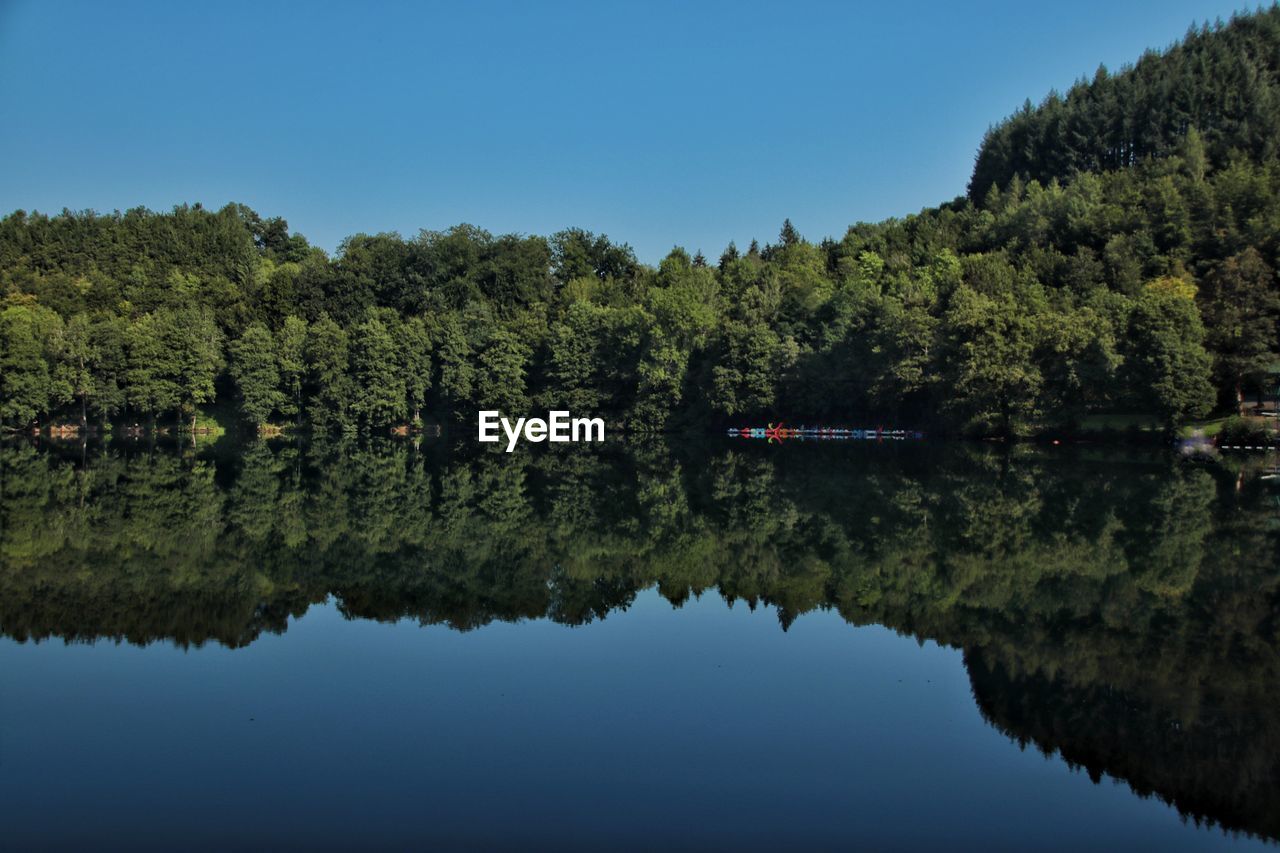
(702,726)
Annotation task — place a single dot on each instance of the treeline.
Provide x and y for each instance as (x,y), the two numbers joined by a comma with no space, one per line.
(1072,287)
(1118,608)
(1222,79)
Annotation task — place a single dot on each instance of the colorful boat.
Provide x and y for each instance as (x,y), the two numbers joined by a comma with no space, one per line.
(780,432)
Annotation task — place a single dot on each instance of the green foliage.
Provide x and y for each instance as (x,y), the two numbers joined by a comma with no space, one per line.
(108,364)
(994,381)
(1237,430)
(76,354)
(28,388)
(378,394)
(1025,306)
(454,357)
(1223,81)
(500,380)
(152,374)
(744,379)
(197,346)
(1167,365)
(413,347)
(575,352)
(291,346)
(1080,359)
(1241,304)
(256,371)
(328,382)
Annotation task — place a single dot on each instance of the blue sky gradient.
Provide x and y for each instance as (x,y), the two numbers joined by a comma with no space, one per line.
(658,123)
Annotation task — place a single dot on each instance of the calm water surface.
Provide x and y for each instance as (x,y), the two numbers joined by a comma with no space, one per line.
(897,646)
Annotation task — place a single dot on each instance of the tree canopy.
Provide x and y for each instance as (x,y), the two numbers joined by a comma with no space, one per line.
(1116,253)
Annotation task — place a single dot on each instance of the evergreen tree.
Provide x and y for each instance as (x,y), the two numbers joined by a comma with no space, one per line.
(1021,307)
(788,236)
(729,255)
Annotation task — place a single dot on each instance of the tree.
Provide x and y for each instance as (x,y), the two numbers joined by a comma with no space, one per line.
(173,357)
(1024,303)
(29,387)
(152,369)
(681,313)
(729,255)
(574,357)
(788,236)
(1078,358)
(413,343)
(77,357)
(256,372)
(500,381)
(750,365)
(660,386)
(1221,82)
(801,271)
(198,343)
(576,253)
(291,344)
(1241,307)
(454,361)
(1167,366)
(993,381)
(379,390)
(328,385)
(902,349)
(107,340)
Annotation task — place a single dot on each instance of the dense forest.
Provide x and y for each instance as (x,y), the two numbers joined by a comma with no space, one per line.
(1116,254)
(1117,606)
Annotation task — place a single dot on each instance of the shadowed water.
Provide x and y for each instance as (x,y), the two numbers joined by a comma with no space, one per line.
(727,645)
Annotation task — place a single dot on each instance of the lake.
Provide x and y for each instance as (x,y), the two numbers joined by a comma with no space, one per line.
(722,644)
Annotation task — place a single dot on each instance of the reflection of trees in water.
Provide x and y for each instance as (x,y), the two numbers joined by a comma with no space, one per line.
(1118,608)
(1219,764)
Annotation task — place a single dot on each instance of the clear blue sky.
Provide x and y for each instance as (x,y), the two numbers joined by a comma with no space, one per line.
(656,123)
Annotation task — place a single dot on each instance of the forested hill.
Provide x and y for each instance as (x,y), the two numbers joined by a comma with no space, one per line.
(1121,261)
(1221,81)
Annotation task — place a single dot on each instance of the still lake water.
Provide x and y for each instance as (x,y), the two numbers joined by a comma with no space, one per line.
(730,646)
